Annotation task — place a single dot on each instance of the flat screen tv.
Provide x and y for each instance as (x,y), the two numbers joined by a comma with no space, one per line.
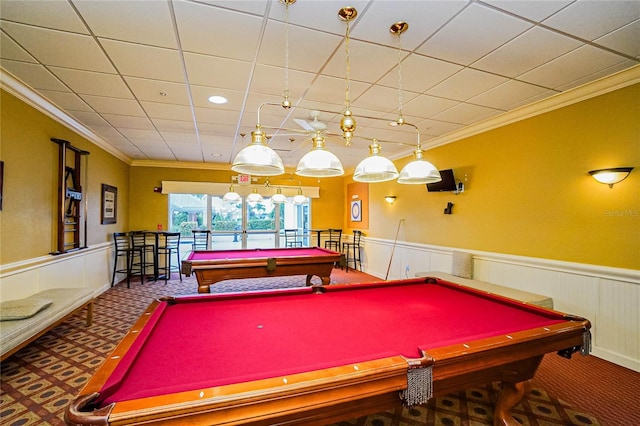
(448,182)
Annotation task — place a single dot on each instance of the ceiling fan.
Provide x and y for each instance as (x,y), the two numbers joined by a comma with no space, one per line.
(314,125)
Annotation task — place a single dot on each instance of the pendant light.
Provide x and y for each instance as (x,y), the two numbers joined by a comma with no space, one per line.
(347,123)
(319,162)
(231,196)
(257,158)
(375,168)
(418,171)
(299,198)
(279,197)
(254,197)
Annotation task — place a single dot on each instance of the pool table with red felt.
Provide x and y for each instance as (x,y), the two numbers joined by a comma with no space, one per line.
(320,354)
(212,266)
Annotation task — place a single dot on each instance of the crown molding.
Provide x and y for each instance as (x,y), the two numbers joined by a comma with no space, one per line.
(590,90)
(20,90)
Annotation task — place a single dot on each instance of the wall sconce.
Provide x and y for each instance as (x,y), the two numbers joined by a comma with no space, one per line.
(390,199)
(611,176)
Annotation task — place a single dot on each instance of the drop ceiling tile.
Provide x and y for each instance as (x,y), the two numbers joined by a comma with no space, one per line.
(585,18)
(574,65)
(467,114)
(9,49)
(423,17)
(217,72)
(167,111)
(147,22)
(437,127)
(256,7)
(320,15)
(149,144)
(89,118)
(598,74)
(535,10)
(217,116)
(129,126)
(55,14)
(308,49)
(472,34)
(270,80)
(384,99)
(145,89)
(188,138)
(36,76)
(208,130)
(507,94)
(138,133)
(137,60)
(540,96)
(173,125)
(466,84)
(333,89)
(527,51)
(427,106)
(217,31)
(111,134)
(114,105)
(93,83)
(369,62)
(625,39)
(201,94)
(66,100)
(57,48)
(420,73)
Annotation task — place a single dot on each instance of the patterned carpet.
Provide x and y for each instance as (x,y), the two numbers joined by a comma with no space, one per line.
(39,381)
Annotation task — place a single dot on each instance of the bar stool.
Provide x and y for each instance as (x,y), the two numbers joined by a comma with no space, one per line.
(335,237)
(353,248)
(200,239)
(122,247)
(168,244)
(143,249)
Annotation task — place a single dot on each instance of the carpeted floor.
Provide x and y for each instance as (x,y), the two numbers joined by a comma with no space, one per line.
(39,381)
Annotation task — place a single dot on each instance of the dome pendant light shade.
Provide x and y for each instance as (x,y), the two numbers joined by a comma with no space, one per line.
(231,196)
(299,198)
(419,171)
(319,162)
(254,197)
(375,168)
(257,158)
(279,197)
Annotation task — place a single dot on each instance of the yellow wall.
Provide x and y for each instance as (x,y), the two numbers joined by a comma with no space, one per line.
(528,192)
(148,209)
(29,214)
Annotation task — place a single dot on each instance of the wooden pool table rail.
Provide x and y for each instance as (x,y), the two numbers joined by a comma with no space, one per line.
(339,393)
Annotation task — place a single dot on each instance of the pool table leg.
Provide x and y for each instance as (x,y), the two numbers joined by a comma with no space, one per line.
(510,395)
(325,280)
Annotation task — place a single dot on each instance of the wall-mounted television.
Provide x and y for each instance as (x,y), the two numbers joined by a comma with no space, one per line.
(448,182)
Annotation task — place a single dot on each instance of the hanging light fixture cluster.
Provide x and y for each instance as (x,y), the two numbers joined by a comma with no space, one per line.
(256,197)
(261,160)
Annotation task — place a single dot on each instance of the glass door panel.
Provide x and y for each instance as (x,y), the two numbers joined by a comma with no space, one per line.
(226,224)
(261,225)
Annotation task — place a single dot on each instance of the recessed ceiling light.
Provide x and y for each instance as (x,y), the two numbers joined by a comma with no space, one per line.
(218,99)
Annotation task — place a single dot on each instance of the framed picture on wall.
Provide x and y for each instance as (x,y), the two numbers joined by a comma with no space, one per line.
(356,211)
(109,211)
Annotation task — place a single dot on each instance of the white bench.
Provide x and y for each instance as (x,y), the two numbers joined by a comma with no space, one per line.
(16,334)
(523,296)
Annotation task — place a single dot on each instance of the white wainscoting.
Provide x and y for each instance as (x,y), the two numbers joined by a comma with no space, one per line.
(608,297)
(87,268)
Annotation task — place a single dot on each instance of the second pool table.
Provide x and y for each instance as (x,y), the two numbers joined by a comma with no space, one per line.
(317,355)
(212,266)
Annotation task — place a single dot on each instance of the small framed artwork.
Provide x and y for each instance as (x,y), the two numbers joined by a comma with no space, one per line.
(109,212)
(356,211)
